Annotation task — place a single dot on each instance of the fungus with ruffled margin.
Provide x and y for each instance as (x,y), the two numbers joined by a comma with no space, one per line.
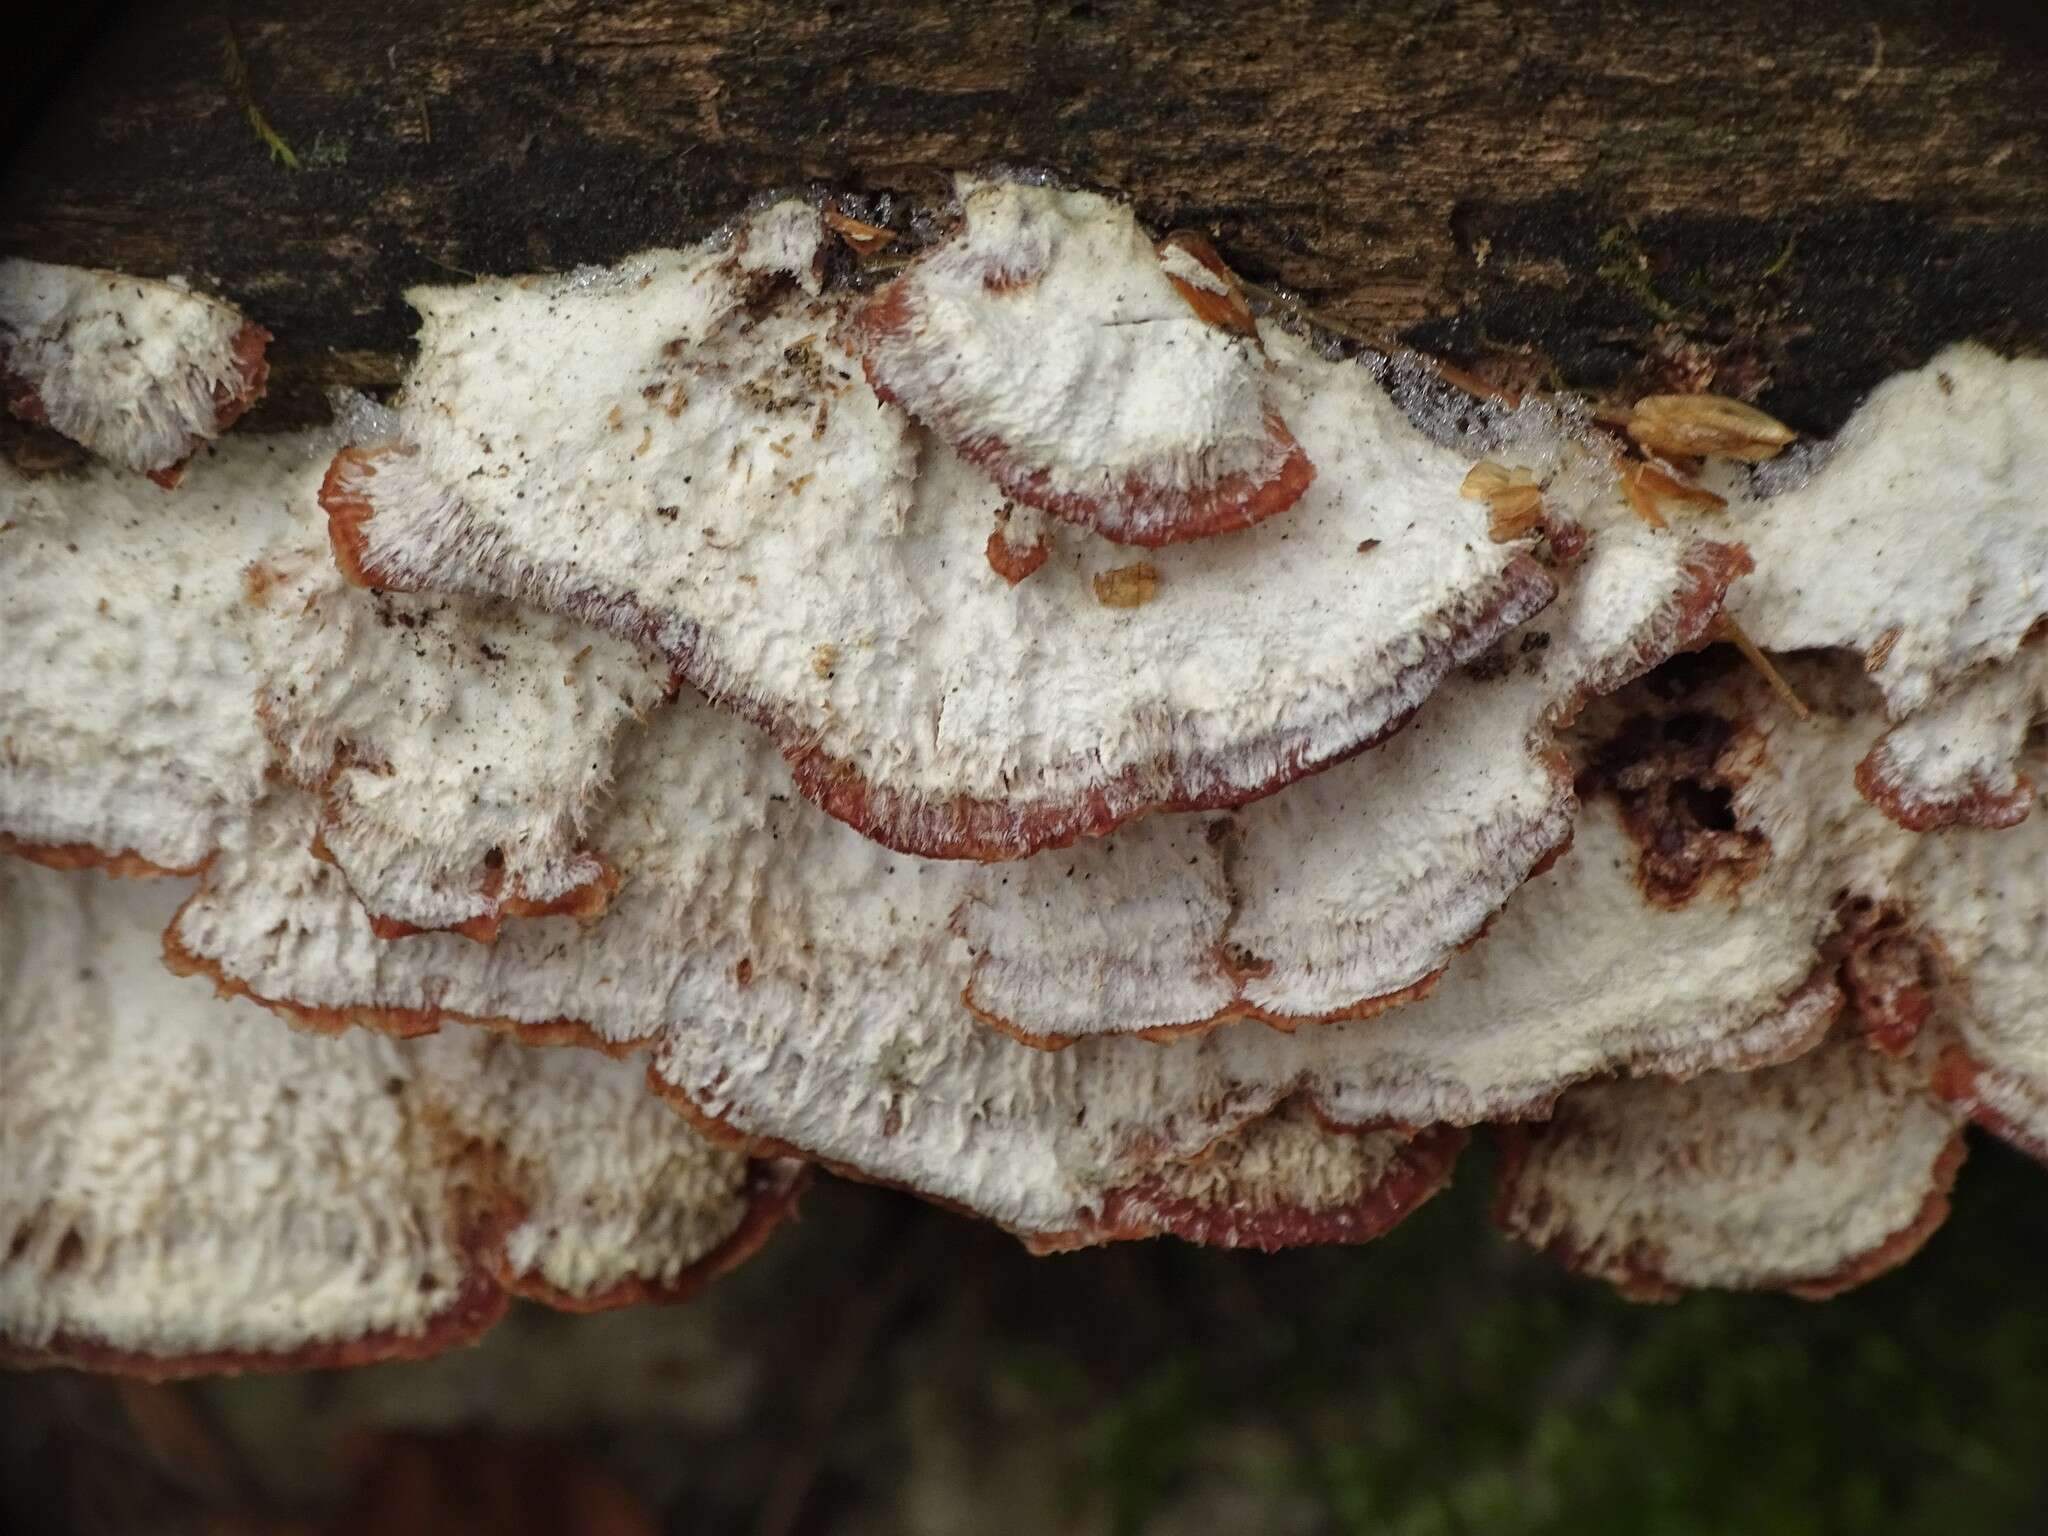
(177,653)
(1921,541)
(1087,371)
(674,450)
(192,1188)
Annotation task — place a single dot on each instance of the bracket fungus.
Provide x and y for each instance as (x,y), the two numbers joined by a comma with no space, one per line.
(178,652)
(192,1187)
(1350,892)
(386,700)
(1086,371)
(138,371)
(800,985)
(1810,1177)
(459,747)
(1921,541)
(128,736)
(681,451)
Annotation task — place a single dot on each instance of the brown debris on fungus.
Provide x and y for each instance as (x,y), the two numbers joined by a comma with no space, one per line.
(1701,426)
(967,718)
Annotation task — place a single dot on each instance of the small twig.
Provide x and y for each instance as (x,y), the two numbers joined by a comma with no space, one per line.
(237,71)
(1727,629)
(1313,317)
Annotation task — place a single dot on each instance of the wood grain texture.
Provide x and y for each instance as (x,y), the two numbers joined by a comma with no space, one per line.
(1791,199)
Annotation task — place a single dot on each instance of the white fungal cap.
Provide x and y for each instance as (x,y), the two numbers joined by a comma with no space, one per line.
(1811,1177)
(1085,372)
(461,748)
(1285,1181)
(127,728)
(1351,891)
(1922,542)
(664,451)
(138,371)
(192,1187)
(1983,904)
(174,650)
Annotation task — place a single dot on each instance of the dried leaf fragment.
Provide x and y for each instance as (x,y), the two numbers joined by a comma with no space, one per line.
(1699,426)
(1012,561)
(1648,486)
(1211,288)
(863,237)
(1513,498)
(1126,586)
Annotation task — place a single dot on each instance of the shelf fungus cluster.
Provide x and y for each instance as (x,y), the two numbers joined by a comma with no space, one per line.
(1012,721)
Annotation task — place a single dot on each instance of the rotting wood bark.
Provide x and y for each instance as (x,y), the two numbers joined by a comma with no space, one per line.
(1811,196)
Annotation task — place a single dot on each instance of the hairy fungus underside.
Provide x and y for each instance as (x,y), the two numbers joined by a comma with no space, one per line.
(801,985)
(140,372)
(1810,1177)
(192,1187)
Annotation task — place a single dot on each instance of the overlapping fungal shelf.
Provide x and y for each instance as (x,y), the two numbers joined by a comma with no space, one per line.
(138,371)
(191,1188)
(979,707)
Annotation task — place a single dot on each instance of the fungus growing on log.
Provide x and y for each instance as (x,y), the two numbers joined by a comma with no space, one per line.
(193,1188)
(682,453)
(140,372)
(801,985)
(1921,540)
(1351,891)
(1811,1177)
(1087,372)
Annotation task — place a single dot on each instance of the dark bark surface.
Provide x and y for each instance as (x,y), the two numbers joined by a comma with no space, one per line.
(1753,195)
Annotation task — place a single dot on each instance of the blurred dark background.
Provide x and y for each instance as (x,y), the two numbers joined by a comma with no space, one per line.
(884,1367)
